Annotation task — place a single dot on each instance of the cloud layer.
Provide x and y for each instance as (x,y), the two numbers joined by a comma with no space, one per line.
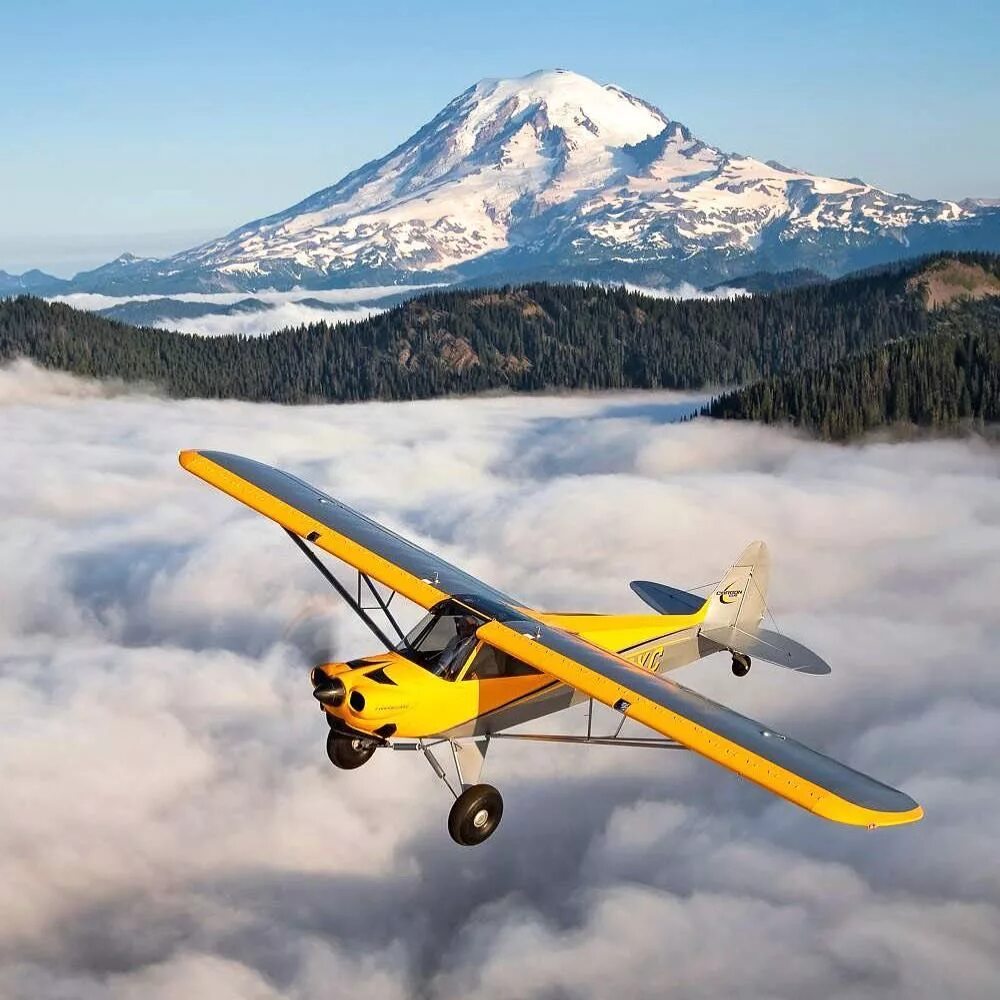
(170,826)
(281,309)
(685,290)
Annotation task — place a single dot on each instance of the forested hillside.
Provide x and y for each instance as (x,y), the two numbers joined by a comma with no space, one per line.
(945,381)
(524,338)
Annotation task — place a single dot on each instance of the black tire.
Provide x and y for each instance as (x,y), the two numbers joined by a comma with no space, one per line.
(348,752)
(741,664)
(475,815)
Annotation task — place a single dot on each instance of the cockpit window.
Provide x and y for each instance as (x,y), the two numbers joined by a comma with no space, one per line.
(430,635)
(442,641)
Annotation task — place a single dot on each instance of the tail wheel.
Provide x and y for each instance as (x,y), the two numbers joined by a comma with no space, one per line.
(741,664)
(475,815)
(348,752)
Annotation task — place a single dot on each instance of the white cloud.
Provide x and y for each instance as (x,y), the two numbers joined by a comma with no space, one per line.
(685,290)
(22,382)
(170,825)
(277,317)
(284,309)
(335,296)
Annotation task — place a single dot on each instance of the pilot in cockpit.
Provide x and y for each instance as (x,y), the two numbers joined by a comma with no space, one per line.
(458,647)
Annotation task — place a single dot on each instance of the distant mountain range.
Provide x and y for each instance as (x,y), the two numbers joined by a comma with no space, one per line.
(553,176)
(32,282)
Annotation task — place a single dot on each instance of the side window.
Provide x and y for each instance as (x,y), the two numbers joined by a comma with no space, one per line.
(518,668)
(490,663)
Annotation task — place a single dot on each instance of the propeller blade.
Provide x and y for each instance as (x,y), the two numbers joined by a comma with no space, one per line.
(314,633)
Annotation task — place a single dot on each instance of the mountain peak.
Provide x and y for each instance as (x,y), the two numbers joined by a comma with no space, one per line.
(554,174)
(540,79)
(572,102)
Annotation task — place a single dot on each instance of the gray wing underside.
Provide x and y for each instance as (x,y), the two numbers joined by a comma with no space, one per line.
(357,527)
(772,746)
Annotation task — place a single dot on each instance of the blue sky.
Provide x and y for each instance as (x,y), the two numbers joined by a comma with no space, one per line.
(149,126)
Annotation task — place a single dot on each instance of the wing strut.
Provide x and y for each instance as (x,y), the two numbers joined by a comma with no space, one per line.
(383,606)
(597,741)
(343,591)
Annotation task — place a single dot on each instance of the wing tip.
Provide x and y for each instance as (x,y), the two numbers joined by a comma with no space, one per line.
(839,810)
(820,669)
(188,457)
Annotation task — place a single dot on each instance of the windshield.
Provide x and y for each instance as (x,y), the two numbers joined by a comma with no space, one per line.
(442,640)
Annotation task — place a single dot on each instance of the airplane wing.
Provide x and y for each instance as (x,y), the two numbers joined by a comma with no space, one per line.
(334,527)
(772,760)
(768,758)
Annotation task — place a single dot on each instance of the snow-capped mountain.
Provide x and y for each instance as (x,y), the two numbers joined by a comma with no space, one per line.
(554,175)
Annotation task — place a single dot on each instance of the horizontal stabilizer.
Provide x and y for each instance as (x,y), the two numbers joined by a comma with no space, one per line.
(762,644)
(667,600)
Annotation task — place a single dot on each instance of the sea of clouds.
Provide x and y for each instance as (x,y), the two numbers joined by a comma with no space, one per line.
(170,826)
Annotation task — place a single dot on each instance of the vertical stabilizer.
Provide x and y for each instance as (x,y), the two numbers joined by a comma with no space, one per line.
(741,596)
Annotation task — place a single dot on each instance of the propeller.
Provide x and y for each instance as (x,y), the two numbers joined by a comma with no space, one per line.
(314,633)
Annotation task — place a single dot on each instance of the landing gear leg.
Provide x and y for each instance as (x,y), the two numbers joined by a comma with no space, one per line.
(478,807)
(741,664)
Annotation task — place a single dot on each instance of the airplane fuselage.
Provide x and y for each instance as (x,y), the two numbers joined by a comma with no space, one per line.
(389,695)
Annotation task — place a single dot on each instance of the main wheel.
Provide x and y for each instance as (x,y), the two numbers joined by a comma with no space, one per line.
(475,815)
(348,752)
(741,664)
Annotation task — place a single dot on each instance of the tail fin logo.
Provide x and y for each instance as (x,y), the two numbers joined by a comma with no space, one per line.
(730,595)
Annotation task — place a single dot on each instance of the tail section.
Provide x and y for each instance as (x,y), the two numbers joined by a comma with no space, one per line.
(731,618)
(741,596)
(734,612)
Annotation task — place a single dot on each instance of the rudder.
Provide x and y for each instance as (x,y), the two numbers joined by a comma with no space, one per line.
(741,596)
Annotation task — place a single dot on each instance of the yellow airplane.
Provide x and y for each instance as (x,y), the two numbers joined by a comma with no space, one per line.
(480,662)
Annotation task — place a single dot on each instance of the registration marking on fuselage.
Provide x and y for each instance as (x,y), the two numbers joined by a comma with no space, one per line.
(648,659)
